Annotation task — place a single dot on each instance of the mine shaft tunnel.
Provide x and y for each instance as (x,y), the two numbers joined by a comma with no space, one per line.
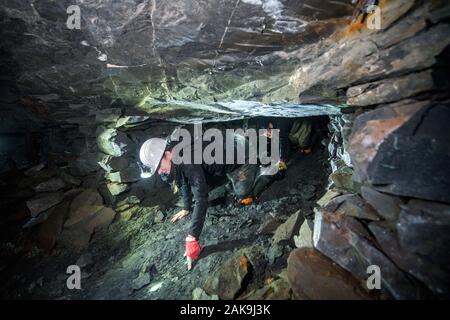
(112,169)
(317,139)
(40,144)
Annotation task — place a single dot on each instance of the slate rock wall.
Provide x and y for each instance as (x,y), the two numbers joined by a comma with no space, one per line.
(391,84)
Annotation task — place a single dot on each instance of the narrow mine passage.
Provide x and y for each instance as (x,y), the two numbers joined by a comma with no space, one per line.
(357,207)
(140,255)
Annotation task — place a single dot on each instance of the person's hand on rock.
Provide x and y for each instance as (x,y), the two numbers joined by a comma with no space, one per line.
(282,166)
(181,214)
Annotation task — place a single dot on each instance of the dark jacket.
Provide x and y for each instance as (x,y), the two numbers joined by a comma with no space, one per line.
(192,181)
(285,126)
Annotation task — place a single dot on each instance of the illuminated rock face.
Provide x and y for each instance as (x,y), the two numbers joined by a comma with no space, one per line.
(134,49)
(399,149)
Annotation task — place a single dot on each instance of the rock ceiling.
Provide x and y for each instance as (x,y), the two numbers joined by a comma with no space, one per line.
(152,51)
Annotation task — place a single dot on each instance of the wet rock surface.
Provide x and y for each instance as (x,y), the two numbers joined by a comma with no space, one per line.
(286,231)
(345,239)
(145,49)
(314,276)
(390,90)
(386,206)
(411,138)
(433,276)
(43,202)
(228,280)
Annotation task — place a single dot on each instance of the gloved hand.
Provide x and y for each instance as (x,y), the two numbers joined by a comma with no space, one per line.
(246,201)
(282,166)
(193,250)
(179,215)
(306,151)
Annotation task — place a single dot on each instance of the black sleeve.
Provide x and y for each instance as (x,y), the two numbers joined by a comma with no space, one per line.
(285,126)
(186,193)
(197,181)
(284,145)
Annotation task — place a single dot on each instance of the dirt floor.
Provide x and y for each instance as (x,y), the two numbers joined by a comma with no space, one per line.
(142,258)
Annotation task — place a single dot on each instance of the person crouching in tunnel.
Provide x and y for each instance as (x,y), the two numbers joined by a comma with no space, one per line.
(157,155)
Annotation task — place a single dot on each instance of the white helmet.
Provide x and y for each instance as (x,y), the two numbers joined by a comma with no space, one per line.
(152,152)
